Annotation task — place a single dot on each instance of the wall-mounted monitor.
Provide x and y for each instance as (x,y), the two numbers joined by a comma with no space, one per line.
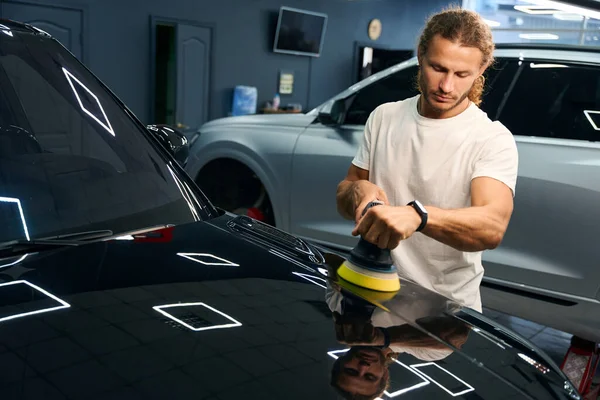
(300,32)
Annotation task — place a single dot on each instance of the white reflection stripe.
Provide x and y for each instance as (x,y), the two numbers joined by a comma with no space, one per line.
(536,9)
(125,237)
(6,30)
(589,118)
(14,262)
(105,126)
(310,279)
(184,194)
(539,36)
(63,303)
(15,200)
(333,353)
(205,328)
(470,388)
(190,256)
(533,65)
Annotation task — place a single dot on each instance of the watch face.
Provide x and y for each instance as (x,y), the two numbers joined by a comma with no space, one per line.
(420,207)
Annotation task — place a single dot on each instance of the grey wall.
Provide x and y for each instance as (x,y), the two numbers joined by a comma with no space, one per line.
(116,38)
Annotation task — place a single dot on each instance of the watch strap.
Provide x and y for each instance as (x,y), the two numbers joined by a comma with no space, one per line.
(386,337)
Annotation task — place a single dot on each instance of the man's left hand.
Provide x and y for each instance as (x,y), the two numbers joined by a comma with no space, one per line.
(385,226)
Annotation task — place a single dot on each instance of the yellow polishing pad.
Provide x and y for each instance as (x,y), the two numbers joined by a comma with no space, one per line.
(383,282)
(372,296)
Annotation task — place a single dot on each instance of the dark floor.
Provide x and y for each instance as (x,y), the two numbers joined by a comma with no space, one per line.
(554,343)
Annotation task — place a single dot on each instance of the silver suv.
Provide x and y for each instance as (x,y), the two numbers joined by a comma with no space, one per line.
(285,169)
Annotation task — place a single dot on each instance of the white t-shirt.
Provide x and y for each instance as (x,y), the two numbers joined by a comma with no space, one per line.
(434,160)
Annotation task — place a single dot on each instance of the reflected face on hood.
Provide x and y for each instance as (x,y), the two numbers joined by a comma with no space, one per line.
(361,372)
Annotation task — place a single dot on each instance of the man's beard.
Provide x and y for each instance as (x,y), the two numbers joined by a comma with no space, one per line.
(425,94)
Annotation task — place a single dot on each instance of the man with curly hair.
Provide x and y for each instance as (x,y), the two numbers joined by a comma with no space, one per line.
(445,173)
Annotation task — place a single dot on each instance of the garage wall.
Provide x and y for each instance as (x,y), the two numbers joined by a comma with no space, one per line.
(116,43)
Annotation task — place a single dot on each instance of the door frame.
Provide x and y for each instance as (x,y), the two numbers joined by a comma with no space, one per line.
(155,20)
(61,5)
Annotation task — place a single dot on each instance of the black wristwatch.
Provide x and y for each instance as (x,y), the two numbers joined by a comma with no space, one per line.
(422,212)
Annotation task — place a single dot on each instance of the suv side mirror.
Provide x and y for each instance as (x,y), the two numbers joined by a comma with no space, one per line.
(173,140)
(333,113)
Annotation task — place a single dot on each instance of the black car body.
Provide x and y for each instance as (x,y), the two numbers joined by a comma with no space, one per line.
(120,280)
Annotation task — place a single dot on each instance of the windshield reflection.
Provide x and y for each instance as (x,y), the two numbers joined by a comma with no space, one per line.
(72,158)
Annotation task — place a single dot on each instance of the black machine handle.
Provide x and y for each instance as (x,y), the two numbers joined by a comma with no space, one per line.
(371,205)
(369,255)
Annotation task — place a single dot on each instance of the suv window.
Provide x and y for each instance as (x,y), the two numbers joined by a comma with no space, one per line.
(498,78)
(554,100)
(403,84)
(397,86)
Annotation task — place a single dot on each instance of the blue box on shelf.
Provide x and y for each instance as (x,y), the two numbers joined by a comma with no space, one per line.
(244,100)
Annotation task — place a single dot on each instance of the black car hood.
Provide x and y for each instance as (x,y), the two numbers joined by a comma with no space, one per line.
(219,310)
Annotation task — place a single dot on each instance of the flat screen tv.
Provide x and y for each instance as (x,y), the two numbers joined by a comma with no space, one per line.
(300,32)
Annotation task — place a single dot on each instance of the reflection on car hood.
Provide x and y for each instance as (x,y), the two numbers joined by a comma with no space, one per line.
(231,309)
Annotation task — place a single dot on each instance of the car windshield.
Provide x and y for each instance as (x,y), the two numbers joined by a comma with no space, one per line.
(71,157)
